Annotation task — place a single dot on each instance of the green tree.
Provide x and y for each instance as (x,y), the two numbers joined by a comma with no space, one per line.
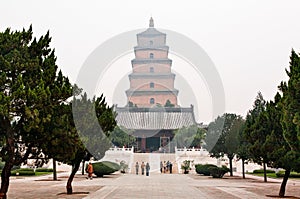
(242,149)
(277,148)
(199,138)
(31,89)
(81,133)
(191,136)
(256,131)
(169,104)
(291,113)
(214,131)
(122,137)
(227,143)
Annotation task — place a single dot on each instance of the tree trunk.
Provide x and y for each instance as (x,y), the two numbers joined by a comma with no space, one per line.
(71,177)
(243,168)
(230,164)
(284,182)
(6,172)
(265,172)
(82,169)
(54,170)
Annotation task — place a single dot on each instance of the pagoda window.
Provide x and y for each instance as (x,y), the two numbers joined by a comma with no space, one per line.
(152,101)
(151,56)
(151,69)
(151,85)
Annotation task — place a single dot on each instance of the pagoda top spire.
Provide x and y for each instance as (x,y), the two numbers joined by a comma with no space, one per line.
(151,23)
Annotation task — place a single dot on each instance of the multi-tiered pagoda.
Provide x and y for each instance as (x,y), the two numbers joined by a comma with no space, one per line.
(152,112)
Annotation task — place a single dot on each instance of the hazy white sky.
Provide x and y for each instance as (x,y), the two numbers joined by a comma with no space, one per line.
(248,41)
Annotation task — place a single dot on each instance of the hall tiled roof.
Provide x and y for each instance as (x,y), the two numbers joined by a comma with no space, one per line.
(155,118)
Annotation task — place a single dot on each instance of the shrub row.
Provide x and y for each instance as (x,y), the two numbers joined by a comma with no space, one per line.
(211,170)
(23,172)
(105,168)
(204,168)
(43,170)
(262,171)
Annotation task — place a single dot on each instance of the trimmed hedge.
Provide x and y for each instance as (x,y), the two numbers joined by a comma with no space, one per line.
(211,170)
(105,168)
(218,172)
(43,170)
(204,168)
(262,171)
(23,172)
(280,174)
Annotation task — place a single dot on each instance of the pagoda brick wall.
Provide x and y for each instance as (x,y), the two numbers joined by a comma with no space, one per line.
(144,101)
(151,65)
(142,84)
(157,41)
(145,68)
(145,54)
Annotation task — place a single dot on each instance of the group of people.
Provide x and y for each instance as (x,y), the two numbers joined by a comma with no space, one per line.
(144,167)
(166,166)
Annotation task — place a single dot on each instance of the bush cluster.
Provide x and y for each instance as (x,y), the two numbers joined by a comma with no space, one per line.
(211,170)
(204,168)
(262,171)
(105,168)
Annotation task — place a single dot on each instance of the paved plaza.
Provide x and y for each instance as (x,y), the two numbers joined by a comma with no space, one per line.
(155,186)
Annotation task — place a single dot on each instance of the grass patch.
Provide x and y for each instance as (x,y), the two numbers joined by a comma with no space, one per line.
(269,175)
(273,175)
(42,173)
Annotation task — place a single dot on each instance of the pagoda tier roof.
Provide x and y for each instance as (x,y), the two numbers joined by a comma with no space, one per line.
(157,118)
(162,48)
(151,75)
(146,61)
(151,91)
(151,32)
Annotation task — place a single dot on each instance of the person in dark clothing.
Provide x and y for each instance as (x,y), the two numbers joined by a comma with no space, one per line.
(143,168)
(170,165)
(147,169)
(137,168)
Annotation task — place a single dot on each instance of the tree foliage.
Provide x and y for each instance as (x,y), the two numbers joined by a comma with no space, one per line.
(191,136)
(228,141)
(291,108)
(31,89)
(122,137)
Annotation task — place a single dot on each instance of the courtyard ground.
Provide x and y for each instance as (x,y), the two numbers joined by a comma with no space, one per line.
(155,186)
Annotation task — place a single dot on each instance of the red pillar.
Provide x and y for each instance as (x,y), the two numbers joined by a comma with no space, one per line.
(143,144)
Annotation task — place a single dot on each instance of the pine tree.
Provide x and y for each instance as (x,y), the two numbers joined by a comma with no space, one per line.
(291,114)
(31,88)
(255,133)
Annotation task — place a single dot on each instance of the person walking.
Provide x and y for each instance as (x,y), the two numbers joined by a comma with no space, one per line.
(171,165)
(143,168)
(168,164)
(90,171)
(161,166)
(137,168)
(147,169)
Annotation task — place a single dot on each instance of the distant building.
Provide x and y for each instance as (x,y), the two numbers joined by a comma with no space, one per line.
(152,112)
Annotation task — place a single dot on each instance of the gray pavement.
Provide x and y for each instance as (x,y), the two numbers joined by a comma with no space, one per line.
(157,185)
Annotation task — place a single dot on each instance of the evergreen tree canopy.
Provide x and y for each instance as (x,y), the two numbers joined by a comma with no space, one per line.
(31,89)
(291,107)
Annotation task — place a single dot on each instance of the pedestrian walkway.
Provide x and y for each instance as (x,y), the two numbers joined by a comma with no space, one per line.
(156,185)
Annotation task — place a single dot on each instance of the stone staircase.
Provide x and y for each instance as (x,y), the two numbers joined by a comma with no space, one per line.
(154,161)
